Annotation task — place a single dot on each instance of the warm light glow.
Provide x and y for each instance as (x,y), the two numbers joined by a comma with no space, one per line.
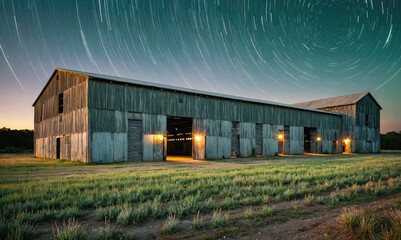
(346,141)
(198,138)
(318,139)
(280,137)
(160,137)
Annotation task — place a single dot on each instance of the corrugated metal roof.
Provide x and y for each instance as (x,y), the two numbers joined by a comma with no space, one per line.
(186,90)
(335,101)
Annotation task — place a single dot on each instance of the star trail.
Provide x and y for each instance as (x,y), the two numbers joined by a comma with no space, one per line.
(278,50)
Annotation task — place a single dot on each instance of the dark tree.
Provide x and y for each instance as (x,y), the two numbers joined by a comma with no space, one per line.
(15,140)
(391,141)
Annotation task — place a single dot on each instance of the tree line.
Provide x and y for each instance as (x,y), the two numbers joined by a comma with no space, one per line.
(13,141)
(390,141)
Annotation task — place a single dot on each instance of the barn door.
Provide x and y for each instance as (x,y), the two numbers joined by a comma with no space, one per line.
(235,139)
(259,139)
(287,139)
(134,140)
(58,148)
(307,140)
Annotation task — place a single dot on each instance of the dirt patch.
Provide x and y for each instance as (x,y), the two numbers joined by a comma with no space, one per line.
(314,221)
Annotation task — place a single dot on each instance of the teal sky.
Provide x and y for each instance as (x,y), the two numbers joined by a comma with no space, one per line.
(283,51)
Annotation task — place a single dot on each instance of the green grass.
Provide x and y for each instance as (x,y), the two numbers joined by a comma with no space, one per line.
(170,225)
(219,220)
(197,222)
(107,233)
(248,213)
(49,190)
(266,211)
(70,231)
(10,230)
(376,224)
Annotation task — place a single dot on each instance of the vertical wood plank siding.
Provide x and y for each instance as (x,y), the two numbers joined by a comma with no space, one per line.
(367,137)
(212,117)
(164,102)
(71,126)
(94,125)
(363,138)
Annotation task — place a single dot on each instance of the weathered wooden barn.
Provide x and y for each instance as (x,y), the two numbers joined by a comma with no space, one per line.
(361,119)
(98,118)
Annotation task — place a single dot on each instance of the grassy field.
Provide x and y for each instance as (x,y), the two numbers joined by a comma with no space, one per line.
(42,198)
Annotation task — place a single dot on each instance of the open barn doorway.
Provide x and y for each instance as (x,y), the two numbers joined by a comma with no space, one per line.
(310,145)
(179,138)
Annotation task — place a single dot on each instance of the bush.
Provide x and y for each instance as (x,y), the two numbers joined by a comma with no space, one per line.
(69,212)
(350,217)
(229,203)
(156,209)
(71,231)
(207,205)
(175,209)
(109,213)
(36,216)
(197,223)
(15,230)
(309,199)
(266,211)
(106,233)
(170,225)
(248,212)
(132,216)
(218,220)
(395,220)
(189,205)
(124,217)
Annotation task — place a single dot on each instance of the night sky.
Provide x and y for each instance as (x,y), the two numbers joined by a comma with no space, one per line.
(278,50)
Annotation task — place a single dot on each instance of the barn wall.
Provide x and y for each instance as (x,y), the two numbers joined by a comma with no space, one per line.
(330,141)
(212,118)
(367,137)
(122,97)
(270,141)
(71,126)
(217,138)
(348,127)
(296,140)
(110,127)
(363,138)
(247,140)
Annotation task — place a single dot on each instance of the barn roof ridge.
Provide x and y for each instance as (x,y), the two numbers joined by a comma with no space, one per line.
(176,88)
(337,101)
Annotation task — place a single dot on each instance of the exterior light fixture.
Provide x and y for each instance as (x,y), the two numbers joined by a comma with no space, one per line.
(346,141)
(198,138)
(280,137)
(318,139)
(160,137)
